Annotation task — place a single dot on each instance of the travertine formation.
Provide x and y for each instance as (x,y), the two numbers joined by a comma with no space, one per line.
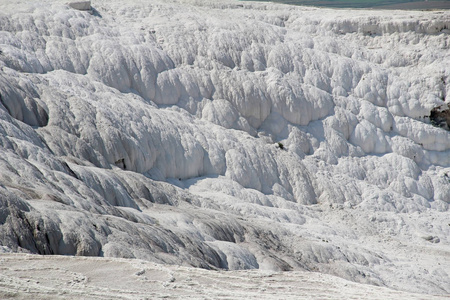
(225,134)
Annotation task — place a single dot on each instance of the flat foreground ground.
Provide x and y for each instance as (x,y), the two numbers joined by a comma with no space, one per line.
(59,277)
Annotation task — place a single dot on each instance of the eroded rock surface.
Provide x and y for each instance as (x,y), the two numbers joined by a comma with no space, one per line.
(153,131)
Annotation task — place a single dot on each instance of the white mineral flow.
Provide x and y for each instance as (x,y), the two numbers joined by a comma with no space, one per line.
(229,135)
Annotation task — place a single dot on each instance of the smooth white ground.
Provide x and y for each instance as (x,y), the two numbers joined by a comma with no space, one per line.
(57,277)
(151,130)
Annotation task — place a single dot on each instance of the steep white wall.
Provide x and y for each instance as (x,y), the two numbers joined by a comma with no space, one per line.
(154,130)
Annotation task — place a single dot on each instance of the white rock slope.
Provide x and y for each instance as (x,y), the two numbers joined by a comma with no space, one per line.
(225,134)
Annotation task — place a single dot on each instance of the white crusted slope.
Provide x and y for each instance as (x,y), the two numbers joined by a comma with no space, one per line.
(225,134)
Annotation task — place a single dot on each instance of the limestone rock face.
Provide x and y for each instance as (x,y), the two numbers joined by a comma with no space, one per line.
(225,134)
(80,5)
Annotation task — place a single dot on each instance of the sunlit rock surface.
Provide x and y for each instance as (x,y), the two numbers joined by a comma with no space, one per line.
(97,278)
(225,134)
